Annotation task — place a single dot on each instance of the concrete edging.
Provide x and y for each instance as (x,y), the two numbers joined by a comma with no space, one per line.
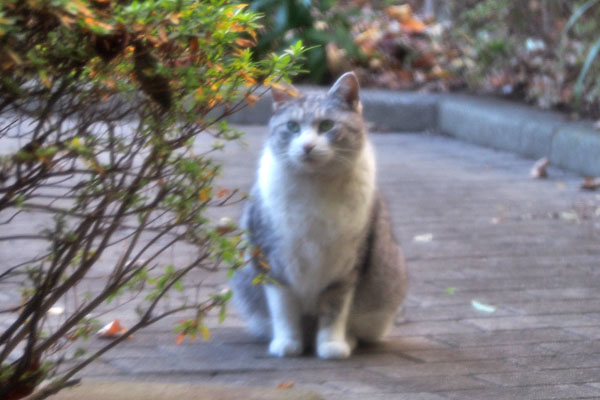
(523,130)
(494,123)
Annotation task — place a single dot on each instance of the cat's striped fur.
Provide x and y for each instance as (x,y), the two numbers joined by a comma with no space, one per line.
(321,225)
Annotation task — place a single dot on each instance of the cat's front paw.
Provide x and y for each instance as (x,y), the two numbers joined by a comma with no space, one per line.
(333,350)
(285,347)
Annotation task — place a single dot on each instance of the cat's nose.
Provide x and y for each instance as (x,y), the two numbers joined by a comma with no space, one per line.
(308,147)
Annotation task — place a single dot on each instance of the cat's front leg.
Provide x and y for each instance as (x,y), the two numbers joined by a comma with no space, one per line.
(286,338)
(334,308)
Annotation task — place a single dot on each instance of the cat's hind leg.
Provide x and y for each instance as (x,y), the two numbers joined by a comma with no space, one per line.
(381,284)
(249,300)
(371,327)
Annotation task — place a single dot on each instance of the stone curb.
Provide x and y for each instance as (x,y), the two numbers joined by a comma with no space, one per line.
(487,122)
(523,130)
(179,391)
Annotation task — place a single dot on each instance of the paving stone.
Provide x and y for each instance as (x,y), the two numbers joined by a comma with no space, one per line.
(451,312)
(479,353)
(590,332)
(546,377)
(534,321)
(385,396)
(581,347)
(587,307)
(431,328)
(559,361)
(447,368)
(533,393)
(522,336)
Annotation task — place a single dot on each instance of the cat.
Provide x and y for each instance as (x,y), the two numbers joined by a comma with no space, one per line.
(321,231)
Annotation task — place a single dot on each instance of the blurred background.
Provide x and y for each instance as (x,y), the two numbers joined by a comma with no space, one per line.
(540,52)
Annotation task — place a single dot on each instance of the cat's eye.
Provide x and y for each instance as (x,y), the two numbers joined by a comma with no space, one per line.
(293,126)
(325,125)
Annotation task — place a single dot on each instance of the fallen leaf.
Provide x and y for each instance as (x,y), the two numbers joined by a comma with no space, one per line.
(403,14)
(337,59)
(482,307)
(539,169)
(590,183)
(111,330)
(400,12)
(424,238)
(450,290)
(285,385)
(569,216)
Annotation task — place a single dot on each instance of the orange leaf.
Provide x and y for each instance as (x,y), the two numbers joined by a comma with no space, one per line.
(242,5)
(249,80)
(413,25)
(66,20)
(112,330)
(285,89)
(81,8)
(180,338)
(205,332)
(204,194)
(91,21)
(245,43)
(222,192)
(251,99)
(264,264)
(174,18)
(285,385)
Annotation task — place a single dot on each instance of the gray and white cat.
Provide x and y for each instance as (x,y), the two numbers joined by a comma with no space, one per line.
(321,226)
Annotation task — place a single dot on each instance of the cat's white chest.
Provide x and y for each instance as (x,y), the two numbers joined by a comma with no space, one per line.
(320,224)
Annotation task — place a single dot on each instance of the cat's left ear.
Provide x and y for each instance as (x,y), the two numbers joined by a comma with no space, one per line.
(345,91)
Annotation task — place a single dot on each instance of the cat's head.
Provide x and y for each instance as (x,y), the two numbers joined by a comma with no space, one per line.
(318,133)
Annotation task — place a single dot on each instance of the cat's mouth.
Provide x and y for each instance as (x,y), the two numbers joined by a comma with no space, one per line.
(312,160)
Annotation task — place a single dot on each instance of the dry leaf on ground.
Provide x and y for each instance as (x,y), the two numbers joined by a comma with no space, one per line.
(424,238)
(539,169)
(591,184)
(479,306)
(285,385)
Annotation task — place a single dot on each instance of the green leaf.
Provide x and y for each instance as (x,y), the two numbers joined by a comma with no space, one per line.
(178,286)
(575,16)
(222,313)
(584,71)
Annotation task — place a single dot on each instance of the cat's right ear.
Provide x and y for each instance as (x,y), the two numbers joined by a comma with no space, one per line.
(283,94)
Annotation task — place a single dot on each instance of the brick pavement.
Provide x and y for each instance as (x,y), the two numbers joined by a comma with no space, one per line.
(530,248)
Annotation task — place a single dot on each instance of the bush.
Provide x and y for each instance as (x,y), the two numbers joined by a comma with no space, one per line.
(315,23)
(100,104)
